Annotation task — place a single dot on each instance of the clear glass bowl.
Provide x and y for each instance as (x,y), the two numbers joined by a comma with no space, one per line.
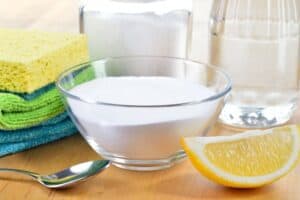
(143,146)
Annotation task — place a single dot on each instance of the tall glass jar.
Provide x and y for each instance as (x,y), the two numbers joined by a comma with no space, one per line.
(136,27)
(257,43)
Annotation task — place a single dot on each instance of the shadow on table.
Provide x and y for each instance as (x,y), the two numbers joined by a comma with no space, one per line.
(191,186)
(20,179)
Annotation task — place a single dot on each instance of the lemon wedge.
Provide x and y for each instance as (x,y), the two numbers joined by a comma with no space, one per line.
(250,159)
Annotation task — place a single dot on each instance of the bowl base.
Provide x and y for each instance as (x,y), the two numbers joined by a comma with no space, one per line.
(146,165)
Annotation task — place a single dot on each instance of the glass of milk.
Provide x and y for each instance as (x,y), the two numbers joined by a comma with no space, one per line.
(134,110)
(136,27)
(257,43)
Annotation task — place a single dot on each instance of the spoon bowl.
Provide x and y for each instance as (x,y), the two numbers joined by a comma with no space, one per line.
(68,176)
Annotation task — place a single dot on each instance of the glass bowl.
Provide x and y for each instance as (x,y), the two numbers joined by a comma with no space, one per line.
(143,137)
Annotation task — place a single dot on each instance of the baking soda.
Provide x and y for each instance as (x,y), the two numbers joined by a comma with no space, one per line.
(141,132)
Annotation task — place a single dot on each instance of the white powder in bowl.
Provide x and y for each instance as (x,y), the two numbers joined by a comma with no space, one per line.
(141,132)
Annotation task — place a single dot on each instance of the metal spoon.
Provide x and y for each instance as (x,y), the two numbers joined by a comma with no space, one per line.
(66,177)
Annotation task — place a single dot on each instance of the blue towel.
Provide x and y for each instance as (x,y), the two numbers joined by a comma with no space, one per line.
(19,140)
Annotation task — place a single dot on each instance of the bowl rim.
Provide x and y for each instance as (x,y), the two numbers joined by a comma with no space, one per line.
(218,95)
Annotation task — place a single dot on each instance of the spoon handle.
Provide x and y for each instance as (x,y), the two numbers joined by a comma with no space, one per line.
(19,171)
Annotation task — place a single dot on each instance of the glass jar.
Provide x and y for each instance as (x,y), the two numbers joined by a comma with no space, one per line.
(136,27)
(257,44)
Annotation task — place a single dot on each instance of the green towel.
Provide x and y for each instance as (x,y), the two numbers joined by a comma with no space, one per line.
(17,112)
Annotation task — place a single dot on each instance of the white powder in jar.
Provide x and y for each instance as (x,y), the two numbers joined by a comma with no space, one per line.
(137,27)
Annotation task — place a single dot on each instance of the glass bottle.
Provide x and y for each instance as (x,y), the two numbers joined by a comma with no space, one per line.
(136,27)
(257,43)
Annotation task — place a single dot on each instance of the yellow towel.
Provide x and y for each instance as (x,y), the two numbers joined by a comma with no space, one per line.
(30,60)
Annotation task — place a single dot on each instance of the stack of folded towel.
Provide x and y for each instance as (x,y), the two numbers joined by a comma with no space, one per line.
(31,108)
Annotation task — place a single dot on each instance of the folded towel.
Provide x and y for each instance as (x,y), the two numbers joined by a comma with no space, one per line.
(19,140)
(22,110)
(18,111)
(41,130)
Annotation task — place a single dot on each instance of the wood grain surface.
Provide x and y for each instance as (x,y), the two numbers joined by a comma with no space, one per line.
(179,182)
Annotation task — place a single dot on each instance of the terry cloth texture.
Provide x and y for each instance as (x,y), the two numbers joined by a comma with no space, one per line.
(19,111)
(51,130)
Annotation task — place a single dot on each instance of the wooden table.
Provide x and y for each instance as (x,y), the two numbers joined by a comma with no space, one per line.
(179,182)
